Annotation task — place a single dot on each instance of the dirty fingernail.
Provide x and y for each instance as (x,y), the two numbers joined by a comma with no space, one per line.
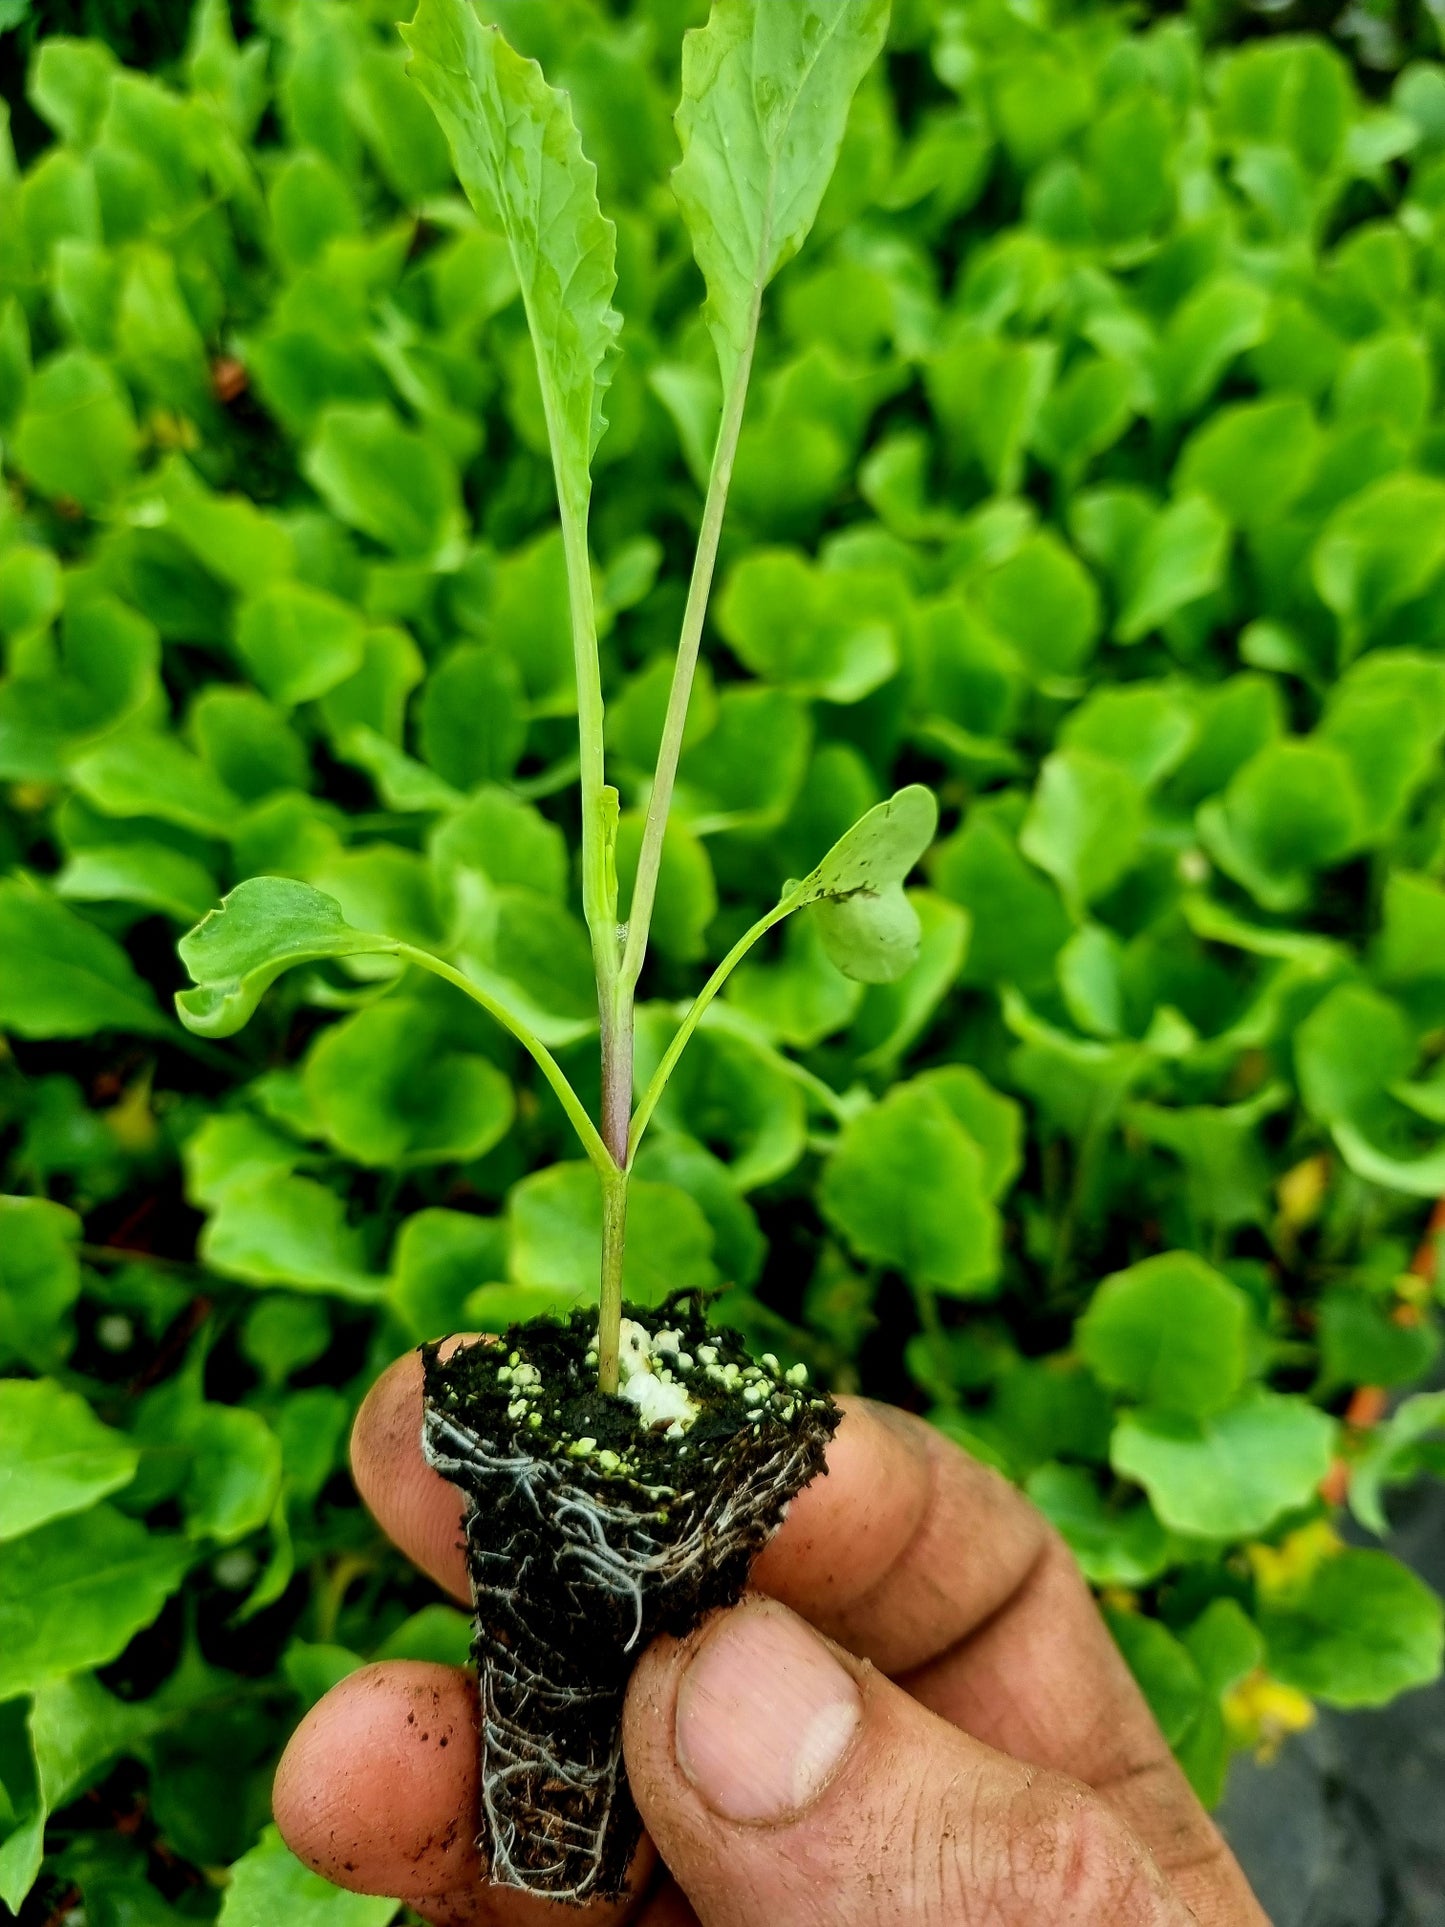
(765,1715)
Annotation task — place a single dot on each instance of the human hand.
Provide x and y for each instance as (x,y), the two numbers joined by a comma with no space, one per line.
(958,1741)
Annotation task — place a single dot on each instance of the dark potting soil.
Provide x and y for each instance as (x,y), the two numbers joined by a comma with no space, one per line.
(588,1532)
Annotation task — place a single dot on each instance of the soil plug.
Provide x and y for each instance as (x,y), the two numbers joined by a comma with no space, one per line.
(592,1524)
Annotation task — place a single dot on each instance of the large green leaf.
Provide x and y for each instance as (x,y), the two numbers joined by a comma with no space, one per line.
(58,1457)
(72,1593)
(387,1092)
(765,98)
(1360,1630)
(1230,1475)
(62,977)
(39,1280)
(1170,1332)
(554,1224)
(519,158)
(907,1187)
(282,1230)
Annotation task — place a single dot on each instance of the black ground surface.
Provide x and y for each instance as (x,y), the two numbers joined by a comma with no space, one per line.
(1347,1828)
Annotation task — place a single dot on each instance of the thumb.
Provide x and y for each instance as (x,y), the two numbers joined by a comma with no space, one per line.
(784,1781)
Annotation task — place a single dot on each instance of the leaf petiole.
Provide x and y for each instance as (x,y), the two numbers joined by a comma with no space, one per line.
(649,862)
(586,1130)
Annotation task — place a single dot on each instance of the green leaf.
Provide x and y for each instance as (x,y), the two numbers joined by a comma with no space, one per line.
(1114,1545)
(731,1093)
(104,670)
(993,1121)
(242,545)
(748,769)
(74,1592)
(1360,1630)
(1217,321)
(441,1257)
(1361,1344)
(1164,1668)
(143,773)
(396,486)
(150,875)
(232,1148)
(906,1187)
(58,1457)
(1387,717)
(62,976)
(1350,1049)
(157,341)
(1228,1175)
(30,590)
(1231,1475)
(282,1230)
(518,156)
(800,627)
(387,1093)
(673,1158)
(263,927)
(497,836)
(894,1015)
(1291,810)
(1394,1452)
(248,743)
(1253,459)
(869,928)
(220,1463)
(473,724)
(529,953)
(765,98)
(1181,557)
(1170,1332)
(1084,824)
(1019,922)
(1379,549)
(988,394)
(299,642)
(39,1280)
(554,1223)
(269,1884)
(1146,728)
(1043,601)
(76,435)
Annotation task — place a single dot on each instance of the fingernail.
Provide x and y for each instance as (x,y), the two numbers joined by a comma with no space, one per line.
(765,1715)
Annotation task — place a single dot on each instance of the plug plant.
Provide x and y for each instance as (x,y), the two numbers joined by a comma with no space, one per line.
(585,1493)
(765,100)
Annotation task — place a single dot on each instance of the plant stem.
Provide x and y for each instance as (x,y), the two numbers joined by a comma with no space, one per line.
(609,1321)
(598,902)
(649,861)
(616,1120)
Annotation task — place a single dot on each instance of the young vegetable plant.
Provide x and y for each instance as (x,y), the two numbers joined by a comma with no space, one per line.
(585,1488)
(766,91)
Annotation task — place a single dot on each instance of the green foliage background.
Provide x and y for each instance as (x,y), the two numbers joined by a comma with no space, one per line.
(1094,475)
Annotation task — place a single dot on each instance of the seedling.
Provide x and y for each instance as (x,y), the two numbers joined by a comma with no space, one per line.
(639,1498)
